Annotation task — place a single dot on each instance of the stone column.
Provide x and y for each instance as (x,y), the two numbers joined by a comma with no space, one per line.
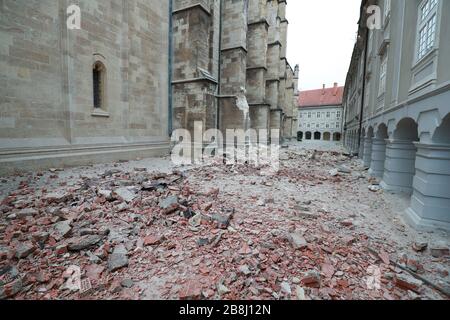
(378,157)
(367,151)
(257,41)
(295,103)
(361,149)
(194,78)
(294,128)
(351,143)
(233,66)
(273,85)
(430,202)
(399,168)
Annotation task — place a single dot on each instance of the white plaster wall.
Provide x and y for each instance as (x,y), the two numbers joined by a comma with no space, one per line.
(330,124)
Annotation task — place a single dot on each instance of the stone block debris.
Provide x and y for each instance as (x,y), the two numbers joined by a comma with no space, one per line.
(204,233)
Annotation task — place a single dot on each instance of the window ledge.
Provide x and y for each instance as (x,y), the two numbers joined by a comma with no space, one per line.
(387,19)
(100,114)
(384,47)
(418,63)
(430,80)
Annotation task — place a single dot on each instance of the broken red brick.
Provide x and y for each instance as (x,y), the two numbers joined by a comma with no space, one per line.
(152,240)
(61,249)
(191,291)
(328,270)
(311,280)
(384,256)
(347,223)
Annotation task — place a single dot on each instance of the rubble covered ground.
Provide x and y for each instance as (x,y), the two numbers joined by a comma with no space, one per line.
(319,229)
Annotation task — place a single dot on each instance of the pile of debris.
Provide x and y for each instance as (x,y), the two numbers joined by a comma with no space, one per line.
(137,235)
(96,225)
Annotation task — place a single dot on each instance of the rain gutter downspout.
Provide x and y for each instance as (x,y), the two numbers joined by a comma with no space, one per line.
(363,98)
(170,124)
(219,77)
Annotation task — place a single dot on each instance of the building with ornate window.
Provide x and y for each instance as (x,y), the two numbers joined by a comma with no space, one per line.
(397,103)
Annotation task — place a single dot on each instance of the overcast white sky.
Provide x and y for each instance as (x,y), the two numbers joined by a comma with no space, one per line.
(321,37)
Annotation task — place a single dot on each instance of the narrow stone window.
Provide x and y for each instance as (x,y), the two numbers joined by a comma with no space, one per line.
(99,82)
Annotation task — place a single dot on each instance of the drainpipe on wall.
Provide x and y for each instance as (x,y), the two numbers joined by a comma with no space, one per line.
(361,115)
(170,113)
(344,129)
(219,78)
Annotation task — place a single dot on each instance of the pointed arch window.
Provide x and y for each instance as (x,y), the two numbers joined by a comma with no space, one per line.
(99,85)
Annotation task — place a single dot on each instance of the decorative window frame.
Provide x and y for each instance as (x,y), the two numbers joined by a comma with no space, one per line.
(382,79)
(367,94)
(370,45)
(387,13)
(429,59)
(103,110)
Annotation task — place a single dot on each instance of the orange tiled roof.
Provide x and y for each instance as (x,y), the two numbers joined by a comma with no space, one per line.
(321,97)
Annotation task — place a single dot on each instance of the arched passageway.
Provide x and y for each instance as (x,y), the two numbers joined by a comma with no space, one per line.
(327,136)
(399,168)
(317,135)
(308,135)
(442,134)
(336,136)
(300,136)
(378,156)
(361,144)
(368,147)
(430,202)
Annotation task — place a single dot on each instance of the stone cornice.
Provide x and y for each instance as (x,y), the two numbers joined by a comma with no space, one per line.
(234,48)
(261,21)
(199,79)
(257,68)
(275,43)
(191,7)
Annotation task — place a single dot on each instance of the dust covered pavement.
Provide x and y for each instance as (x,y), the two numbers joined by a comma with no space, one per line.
(319,229)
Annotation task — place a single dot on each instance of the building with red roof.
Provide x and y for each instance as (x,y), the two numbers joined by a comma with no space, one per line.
(320,114)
